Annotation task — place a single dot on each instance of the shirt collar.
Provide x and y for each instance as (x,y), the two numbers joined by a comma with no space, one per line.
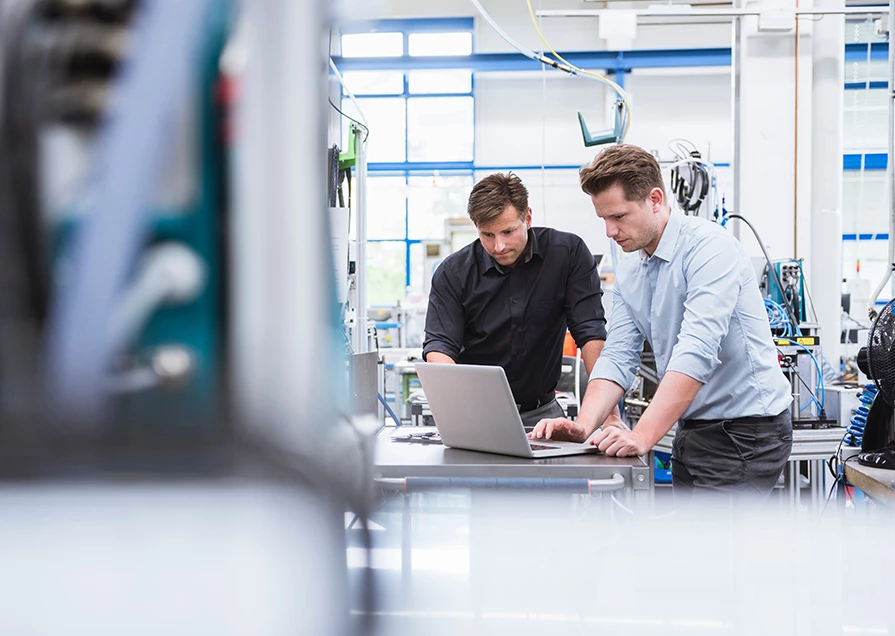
(665,249)
(531,249)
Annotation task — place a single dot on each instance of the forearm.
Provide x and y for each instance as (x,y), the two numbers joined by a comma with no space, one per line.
(590,352)
(600,399)
(440,358)
(674,395)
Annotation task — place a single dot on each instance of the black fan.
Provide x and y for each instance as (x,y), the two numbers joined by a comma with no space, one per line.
(877,360)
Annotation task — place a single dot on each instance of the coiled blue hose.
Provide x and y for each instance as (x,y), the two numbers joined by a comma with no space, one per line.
(855,433)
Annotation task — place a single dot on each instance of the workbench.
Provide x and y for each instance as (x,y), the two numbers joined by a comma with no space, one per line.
(414,467)
(402,465)
(877,483)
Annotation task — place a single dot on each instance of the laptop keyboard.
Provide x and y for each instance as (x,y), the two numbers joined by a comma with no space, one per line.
(535,447)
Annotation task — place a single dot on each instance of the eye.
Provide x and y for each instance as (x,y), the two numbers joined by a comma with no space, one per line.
(508,231)
(487,235)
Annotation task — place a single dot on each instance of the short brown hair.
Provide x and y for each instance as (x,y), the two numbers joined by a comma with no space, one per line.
(629,166)
(491,196)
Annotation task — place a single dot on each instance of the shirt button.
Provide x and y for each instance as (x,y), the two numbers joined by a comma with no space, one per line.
(514,300)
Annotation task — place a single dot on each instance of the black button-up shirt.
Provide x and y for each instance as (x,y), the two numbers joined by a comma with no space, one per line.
(483,313)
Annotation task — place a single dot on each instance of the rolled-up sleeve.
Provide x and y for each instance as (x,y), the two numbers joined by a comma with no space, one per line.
(713,287)
(584,305)
(621,355)
(445,318)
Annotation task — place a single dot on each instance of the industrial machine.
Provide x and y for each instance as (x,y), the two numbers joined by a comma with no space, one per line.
(63,61)
(873,427)
(785,285)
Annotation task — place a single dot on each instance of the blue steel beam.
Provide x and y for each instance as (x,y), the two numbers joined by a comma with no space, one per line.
(613,61)
(872,161)
(606,60)
(408,25)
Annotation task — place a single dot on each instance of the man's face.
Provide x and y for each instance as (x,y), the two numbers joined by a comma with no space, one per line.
(505,237)
(634,225)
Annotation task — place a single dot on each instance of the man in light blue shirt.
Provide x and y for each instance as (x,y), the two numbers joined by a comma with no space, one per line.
(691,292)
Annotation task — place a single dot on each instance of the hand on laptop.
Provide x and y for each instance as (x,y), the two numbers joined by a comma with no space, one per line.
(560,429)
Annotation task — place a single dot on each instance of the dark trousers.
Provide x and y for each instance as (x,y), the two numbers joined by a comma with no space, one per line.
(531,418)
(743,456)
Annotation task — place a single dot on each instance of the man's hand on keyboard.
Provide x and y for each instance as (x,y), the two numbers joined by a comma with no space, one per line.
(558,428)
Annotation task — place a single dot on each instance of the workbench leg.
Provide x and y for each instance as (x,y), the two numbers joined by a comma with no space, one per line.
(406,541)
(792,483)
(816,475)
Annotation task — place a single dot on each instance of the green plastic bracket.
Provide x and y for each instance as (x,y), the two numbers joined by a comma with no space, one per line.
(348,159)
(613,136)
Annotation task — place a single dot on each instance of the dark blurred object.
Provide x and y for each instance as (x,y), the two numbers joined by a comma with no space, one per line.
(58,59)
(877,361)
(81,44)
(566,382)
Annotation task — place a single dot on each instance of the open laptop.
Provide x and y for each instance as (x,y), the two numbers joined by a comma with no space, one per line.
(474,409)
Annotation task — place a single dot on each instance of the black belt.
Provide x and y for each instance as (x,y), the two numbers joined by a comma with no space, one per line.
(547,398)
(760,419)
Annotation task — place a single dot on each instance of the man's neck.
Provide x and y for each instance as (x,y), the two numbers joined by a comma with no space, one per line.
(663,223)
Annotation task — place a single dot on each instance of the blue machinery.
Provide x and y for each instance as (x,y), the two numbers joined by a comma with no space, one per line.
(190,332)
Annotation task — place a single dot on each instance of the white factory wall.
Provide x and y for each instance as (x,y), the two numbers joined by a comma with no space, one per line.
(529,119)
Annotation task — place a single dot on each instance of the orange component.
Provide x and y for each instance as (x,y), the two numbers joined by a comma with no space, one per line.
(569,348)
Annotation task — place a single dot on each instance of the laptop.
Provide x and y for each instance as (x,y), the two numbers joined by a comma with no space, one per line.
(474,409)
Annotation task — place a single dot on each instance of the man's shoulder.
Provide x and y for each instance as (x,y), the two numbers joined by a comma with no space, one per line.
(698,230)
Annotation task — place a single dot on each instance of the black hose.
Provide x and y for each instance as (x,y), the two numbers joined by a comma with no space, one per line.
(792,314)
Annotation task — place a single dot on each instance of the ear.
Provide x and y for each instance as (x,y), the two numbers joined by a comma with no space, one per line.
(528,219)
(656,198)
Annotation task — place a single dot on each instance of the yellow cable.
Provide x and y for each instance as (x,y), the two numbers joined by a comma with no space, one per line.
(605,80)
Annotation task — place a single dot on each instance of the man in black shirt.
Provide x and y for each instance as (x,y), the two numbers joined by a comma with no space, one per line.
(507,298)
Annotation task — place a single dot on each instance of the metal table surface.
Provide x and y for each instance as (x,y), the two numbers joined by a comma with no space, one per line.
(401,460)
(878,483)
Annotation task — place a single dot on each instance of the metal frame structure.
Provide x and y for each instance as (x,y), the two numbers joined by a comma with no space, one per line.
(616,63)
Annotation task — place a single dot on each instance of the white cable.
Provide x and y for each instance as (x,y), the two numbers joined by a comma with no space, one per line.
(541,58)
(348,92)
(578,395)
(622,506)
(169,273)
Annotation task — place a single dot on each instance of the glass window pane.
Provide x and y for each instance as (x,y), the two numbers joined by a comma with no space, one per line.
(457,81)
(440,43)
(431,200)
(386,207)
(440,128)
(374,82)
(862,31)
(417,269)
(386,118)
(386,264)
(876,71)
(373,45)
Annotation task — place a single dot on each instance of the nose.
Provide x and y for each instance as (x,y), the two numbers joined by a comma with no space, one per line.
(611,230)
(499,246)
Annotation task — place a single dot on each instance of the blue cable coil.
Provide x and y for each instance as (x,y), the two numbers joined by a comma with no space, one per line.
(854,435)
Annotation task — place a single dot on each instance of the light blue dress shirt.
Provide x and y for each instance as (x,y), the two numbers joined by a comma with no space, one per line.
(697,302)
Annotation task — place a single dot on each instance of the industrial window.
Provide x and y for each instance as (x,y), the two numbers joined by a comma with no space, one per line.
(420,149)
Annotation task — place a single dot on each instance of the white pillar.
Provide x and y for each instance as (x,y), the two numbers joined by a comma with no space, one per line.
(826,175)
(765,120)
(285,368)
